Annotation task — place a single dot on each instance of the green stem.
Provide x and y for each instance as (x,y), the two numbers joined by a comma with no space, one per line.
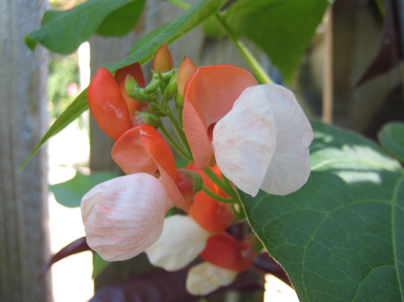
(179,131)
(179,114)
(174,143)
(219,182)
(180,4)
(216,197)
(227,182)
(259,72)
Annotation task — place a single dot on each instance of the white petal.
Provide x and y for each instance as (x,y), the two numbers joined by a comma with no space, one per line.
(244,140)
(181,242)
(263,142)
(289,168)
(205,278)
(124,216)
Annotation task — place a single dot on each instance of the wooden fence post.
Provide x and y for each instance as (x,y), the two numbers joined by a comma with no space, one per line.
(24,236)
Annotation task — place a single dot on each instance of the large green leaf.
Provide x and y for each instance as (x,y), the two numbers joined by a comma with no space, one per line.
(391,137)
(281,28)
(75,109)
(64,31)
(169,32)
(70,193)
(340,237)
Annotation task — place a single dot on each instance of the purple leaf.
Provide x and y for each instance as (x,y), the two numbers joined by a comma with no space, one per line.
(75,247)
(389,51)
(162,286)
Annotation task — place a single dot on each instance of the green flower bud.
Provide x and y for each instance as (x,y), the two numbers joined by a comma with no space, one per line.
(152,86)
(171,89)
(135,92)
(195,179)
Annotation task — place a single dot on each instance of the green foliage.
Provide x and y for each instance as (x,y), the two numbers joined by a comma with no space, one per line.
(99,265)
(70,193)
(62,72)
(64,31)
(169,33)
(121,21)
(72,112)
(282,29)
(391,137)
(340,237)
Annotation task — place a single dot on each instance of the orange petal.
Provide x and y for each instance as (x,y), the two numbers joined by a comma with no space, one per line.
(161,153)
(130,154)
(163,61)
(186,71)
(209,95)
(210,214)
(120,76)
(107,104)
(143,149)
(226,252)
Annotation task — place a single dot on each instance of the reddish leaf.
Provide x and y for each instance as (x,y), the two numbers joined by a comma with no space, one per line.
(389,51)
(163,286)
(75,247)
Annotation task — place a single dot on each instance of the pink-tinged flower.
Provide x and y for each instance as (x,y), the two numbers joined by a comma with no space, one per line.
(185,237)
(258,135)
(143,150)
(113,110)
(125,215)
(224,258)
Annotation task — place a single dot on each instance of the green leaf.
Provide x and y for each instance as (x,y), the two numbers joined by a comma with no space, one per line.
(121,21)
(391,137)
(169,32)
(64,31)
(99,265)
(75,109)
(70,193)
(282,29)
(340,237)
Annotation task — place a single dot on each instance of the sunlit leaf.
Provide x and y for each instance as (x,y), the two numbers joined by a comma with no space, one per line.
(64,31)
(70,193)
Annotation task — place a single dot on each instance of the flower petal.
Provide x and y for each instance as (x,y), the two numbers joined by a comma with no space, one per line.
(263,141)
(208,96)
(205,278)
(210,214)
(143,149)
(120,76)
(107,104)
(181,242)
(225,251)
(124,216)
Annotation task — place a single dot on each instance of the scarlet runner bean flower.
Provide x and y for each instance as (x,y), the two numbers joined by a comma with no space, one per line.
(184,237)
(113,110)
(258,135)
(124,216)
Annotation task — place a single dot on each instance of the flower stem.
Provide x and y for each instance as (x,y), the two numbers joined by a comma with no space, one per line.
(216,197)
(180,4)
(219,183)
(179,114)
(179,131)
(174,143)
(259,72)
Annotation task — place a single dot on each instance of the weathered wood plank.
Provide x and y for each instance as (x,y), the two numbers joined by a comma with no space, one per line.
(24,238)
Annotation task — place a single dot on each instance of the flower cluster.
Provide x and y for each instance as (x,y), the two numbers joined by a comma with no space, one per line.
(234,133)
